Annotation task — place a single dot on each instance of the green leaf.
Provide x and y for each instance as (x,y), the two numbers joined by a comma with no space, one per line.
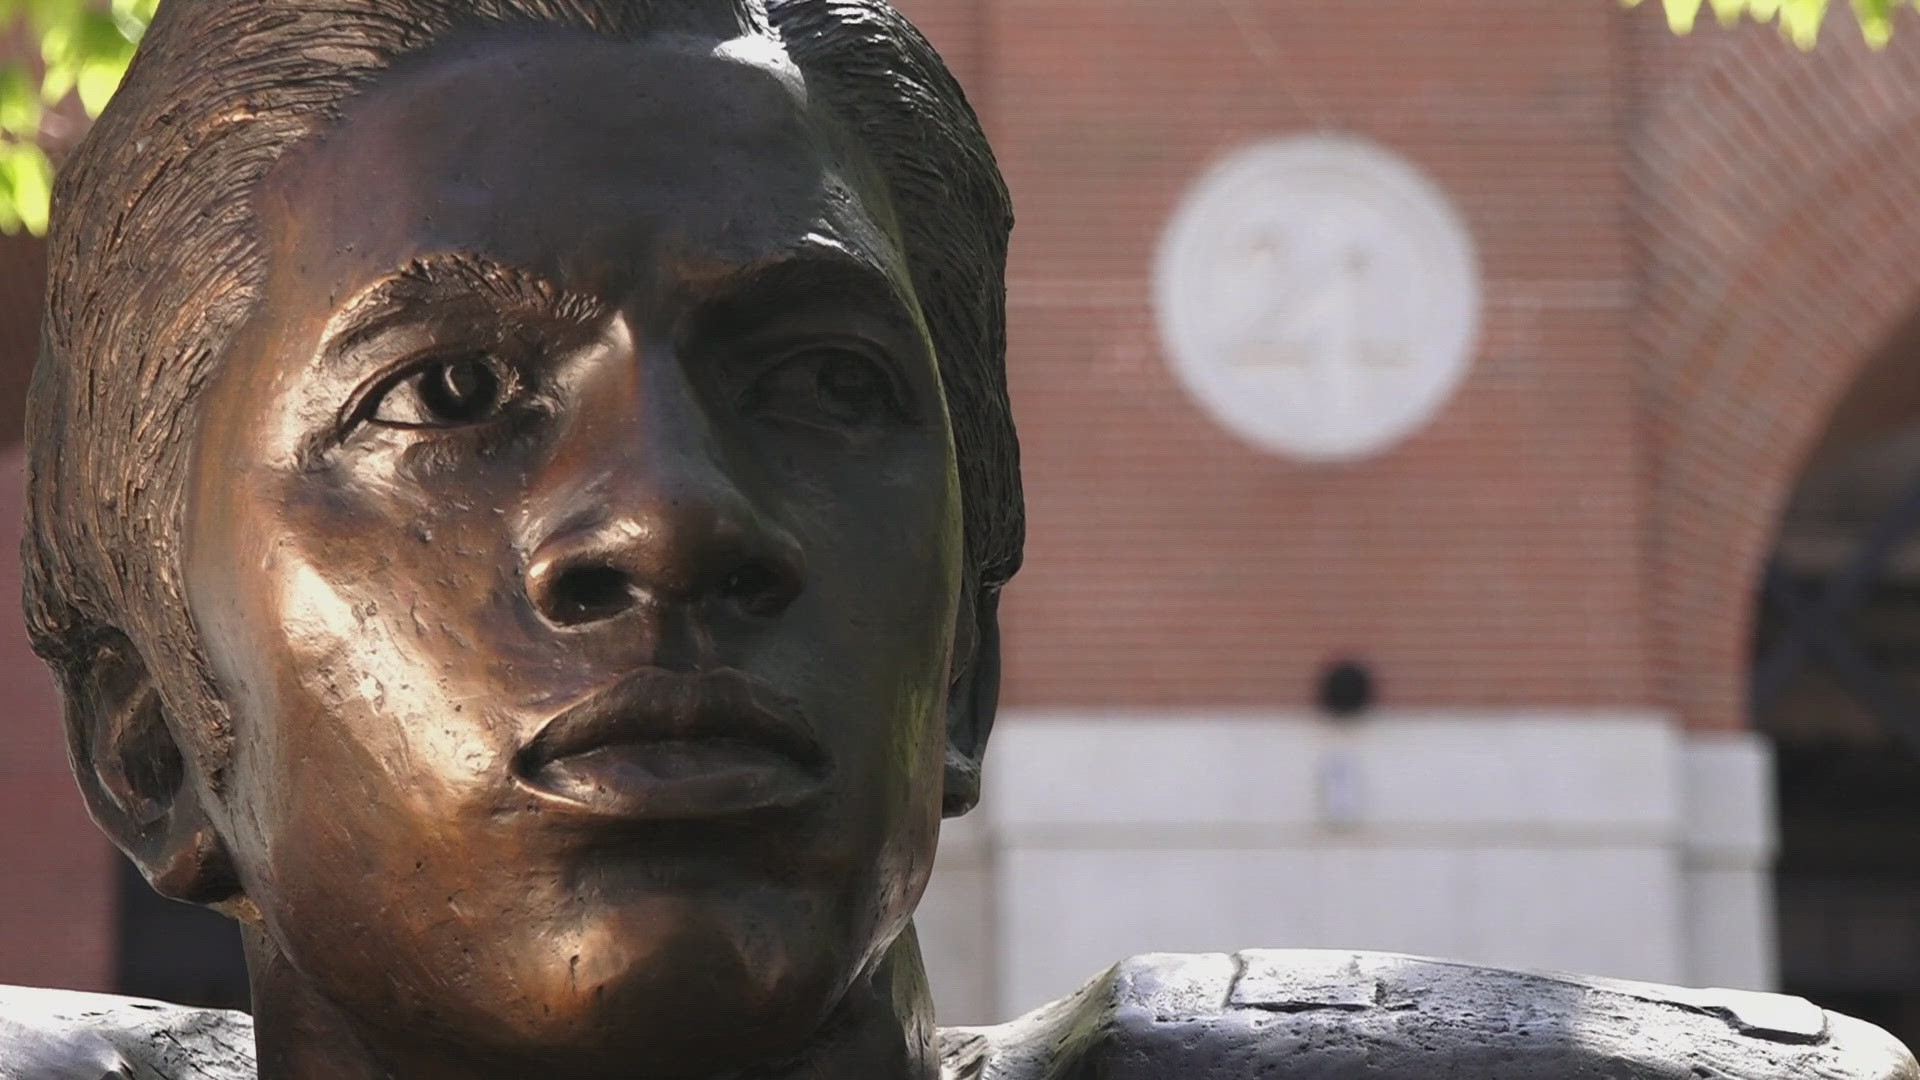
(98,80)
(1801,19)
(56,44)
(1876,20)
(19,104)
(98,36)
(49,16)
(1681,14)
(1728,11)
(27,177)
(132,17)
(58,81)
(10,223)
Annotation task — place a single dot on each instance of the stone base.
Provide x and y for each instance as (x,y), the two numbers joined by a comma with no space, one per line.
(1608,844)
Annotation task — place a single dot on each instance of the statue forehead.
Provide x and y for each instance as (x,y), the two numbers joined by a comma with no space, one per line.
(570,154)
(475,88)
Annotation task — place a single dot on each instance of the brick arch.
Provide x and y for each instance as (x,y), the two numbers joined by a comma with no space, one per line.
(1781,239)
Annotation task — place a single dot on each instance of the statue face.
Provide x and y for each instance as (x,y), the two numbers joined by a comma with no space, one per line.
(575,536)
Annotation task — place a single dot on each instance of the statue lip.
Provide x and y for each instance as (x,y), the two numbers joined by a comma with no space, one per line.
(662,744)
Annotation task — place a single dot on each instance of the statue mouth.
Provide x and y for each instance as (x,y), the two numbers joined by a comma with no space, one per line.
(672,746)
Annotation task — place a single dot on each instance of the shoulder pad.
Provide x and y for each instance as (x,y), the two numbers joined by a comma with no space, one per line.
(1331,1015)
(63,1035)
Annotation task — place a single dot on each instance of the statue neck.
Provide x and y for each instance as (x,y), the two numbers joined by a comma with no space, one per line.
(883,1030)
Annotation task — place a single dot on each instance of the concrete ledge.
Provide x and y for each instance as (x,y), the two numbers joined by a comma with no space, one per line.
(1730,805)
(1272,778)
(1611,844)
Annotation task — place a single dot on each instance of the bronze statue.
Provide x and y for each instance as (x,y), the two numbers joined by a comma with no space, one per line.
(520,491)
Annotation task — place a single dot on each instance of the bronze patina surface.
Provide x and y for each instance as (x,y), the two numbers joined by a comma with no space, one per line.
(520,494)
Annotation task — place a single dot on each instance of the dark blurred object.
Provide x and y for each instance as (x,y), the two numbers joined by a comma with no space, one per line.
(1836,684)
(175,952)
(1346,690)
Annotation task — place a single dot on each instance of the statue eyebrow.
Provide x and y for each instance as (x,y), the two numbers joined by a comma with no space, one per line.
(820,251)
(814,265)
(394,299)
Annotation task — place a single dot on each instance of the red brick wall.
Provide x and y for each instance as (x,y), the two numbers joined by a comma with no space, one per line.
(1691,245)
(56,870)
(1492,561)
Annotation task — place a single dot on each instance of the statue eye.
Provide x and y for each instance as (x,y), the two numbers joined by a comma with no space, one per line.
(447,393)
(839,386)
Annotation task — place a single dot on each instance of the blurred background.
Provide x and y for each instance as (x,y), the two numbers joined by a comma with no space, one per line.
(1473,460)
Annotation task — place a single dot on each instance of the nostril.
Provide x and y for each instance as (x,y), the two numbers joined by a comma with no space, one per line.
(584,594)
(758,587)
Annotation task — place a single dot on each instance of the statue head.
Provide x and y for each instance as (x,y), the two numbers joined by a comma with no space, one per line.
(519,493)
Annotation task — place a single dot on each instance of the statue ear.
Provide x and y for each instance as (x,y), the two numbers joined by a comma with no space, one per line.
(134,777)
(972,698)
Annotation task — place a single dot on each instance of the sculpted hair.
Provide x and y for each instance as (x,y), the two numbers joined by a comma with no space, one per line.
(154,263)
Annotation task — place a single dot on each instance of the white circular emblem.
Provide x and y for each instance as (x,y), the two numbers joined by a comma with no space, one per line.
(1319,295)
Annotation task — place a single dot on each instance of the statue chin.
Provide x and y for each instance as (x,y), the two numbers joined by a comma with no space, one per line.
(717,990)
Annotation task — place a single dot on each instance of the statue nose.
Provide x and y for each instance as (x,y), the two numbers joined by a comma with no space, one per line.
(684,548)
(639,509)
